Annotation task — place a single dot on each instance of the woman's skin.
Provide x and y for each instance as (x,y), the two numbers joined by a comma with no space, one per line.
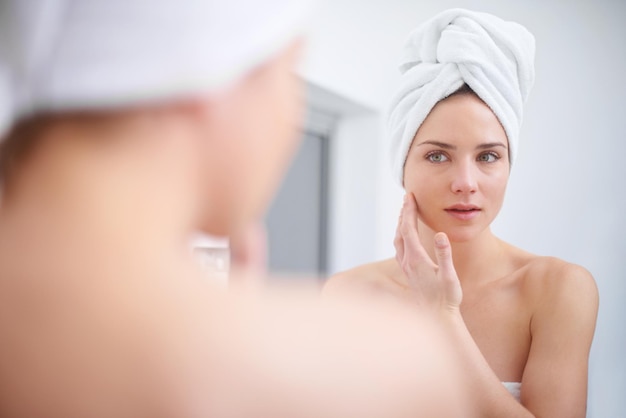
(104,312)
(513,316)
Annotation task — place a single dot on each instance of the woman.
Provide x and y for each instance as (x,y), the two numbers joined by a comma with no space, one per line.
(514,317)
(127,127)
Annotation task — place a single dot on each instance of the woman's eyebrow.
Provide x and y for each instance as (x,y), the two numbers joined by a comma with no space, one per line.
(491,145)
(445,145)
(437,144)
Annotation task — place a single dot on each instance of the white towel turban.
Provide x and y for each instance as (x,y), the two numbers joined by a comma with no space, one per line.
(97,54)
(495,58)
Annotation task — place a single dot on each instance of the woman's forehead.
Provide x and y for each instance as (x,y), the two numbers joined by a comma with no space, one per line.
(461,119)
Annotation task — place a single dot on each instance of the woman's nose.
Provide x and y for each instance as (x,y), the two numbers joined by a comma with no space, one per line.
(464,179)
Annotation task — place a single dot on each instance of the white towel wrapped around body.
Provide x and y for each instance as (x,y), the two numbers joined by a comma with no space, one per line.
(495,58)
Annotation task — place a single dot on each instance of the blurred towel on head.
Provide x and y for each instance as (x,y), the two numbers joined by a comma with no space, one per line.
(495,58)
(60,55)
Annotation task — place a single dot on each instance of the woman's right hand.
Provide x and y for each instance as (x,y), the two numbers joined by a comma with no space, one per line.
(434,286)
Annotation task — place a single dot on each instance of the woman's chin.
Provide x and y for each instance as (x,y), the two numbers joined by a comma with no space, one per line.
(457,233)
(461,235)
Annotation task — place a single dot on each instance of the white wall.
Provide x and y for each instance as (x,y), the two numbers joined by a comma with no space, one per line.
(566,194)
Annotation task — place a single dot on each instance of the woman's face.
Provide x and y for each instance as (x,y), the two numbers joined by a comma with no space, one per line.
(260,120)
(458,167)
(270,126)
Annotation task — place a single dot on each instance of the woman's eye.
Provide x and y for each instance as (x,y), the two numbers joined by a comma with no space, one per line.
(488,157)
(436,157)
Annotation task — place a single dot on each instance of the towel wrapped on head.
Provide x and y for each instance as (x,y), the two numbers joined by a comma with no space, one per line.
(64,55)
(495,58)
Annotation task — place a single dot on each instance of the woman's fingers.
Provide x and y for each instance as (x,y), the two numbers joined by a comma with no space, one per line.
(433,283)
(446,271)
(414,252)
(398,241)
(443,252)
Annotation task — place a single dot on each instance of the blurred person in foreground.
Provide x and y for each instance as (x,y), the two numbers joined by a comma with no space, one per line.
(127,127)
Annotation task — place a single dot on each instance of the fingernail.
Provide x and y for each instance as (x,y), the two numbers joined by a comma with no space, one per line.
(440,239)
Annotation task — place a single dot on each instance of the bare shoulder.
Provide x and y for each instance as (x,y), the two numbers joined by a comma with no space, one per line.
(560,287)
(368,278)
(555,275)
(545,274)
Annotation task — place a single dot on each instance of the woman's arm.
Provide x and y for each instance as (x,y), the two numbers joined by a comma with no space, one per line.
(562,328)
(104,341)
(554,383)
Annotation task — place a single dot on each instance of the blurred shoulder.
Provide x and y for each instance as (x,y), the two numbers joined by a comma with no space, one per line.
(370,277)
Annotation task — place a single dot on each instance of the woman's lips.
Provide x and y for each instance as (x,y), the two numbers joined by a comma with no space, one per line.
(462,212)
